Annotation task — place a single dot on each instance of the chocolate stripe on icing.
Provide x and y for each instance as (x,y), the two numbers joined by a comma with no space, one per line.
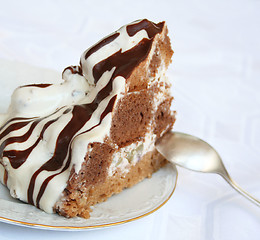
(22,138)
(14,155)
(13,127)
(124,62)
(101,44)
(5,177)
(151,28)
(12,120)
(42,85)
(17,158)
(73,70)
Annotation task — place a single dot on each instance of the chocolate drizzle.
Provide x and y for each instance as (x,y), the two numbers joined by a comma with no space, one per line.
(42,85)
(73,70)
(17,158)
(123,62)
(11,128)
(101,44)
(151,28)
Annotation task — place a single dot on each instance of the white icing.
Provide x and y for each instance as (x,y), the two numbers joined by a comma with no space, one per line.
(164,90)
(128,156)
(35,101)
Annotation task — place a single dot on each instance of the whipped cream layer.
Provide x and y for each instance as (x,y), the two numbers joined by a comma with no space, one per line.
(46,131)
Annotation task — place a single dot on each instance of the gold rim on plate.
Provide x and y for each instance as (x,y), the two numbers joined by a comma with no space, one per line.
(50,227)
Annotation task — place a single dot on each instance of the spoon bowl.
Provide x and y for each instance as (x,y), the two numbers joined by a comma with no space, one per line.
(195,154)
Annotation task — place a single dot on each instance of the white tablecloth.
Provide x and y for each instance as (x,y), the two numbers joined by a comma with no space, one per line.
(216,84)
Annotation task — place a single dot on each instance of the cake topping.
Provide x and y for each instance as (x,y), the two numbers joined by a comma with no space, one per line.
(150,27)
(47,128)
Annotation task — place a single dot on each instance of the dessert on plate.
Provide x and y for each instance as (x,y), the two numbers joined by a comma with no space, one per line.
(65,147)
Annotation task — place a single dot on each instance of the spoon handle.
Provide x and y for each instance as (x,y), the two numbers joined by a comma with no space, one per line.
(240,190)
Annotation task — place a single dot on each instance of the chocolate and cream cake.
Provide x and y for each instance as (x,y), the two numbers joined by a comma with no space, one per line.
(65,147)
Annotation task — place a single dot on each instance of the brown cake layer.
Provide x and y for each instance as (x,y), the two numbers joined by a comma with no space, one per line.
(161,53)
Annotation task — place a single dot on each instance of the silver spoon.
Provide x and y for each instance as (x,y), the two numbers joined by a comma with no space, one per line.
(195,154)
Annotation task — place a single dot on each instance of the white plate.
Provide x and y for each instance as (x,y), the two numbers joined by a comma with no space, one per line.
(131,204)
(134,203)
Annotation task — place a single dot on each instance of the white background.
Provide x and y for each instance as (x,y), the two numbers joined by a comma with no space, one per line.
(216,84)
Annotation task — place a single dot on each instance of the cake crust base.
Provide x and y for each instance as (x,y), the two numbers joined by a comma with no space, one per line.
(79,202)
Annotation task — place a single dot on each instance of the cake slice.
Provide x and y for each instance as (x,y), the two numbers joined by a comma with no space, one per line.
(65,147)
